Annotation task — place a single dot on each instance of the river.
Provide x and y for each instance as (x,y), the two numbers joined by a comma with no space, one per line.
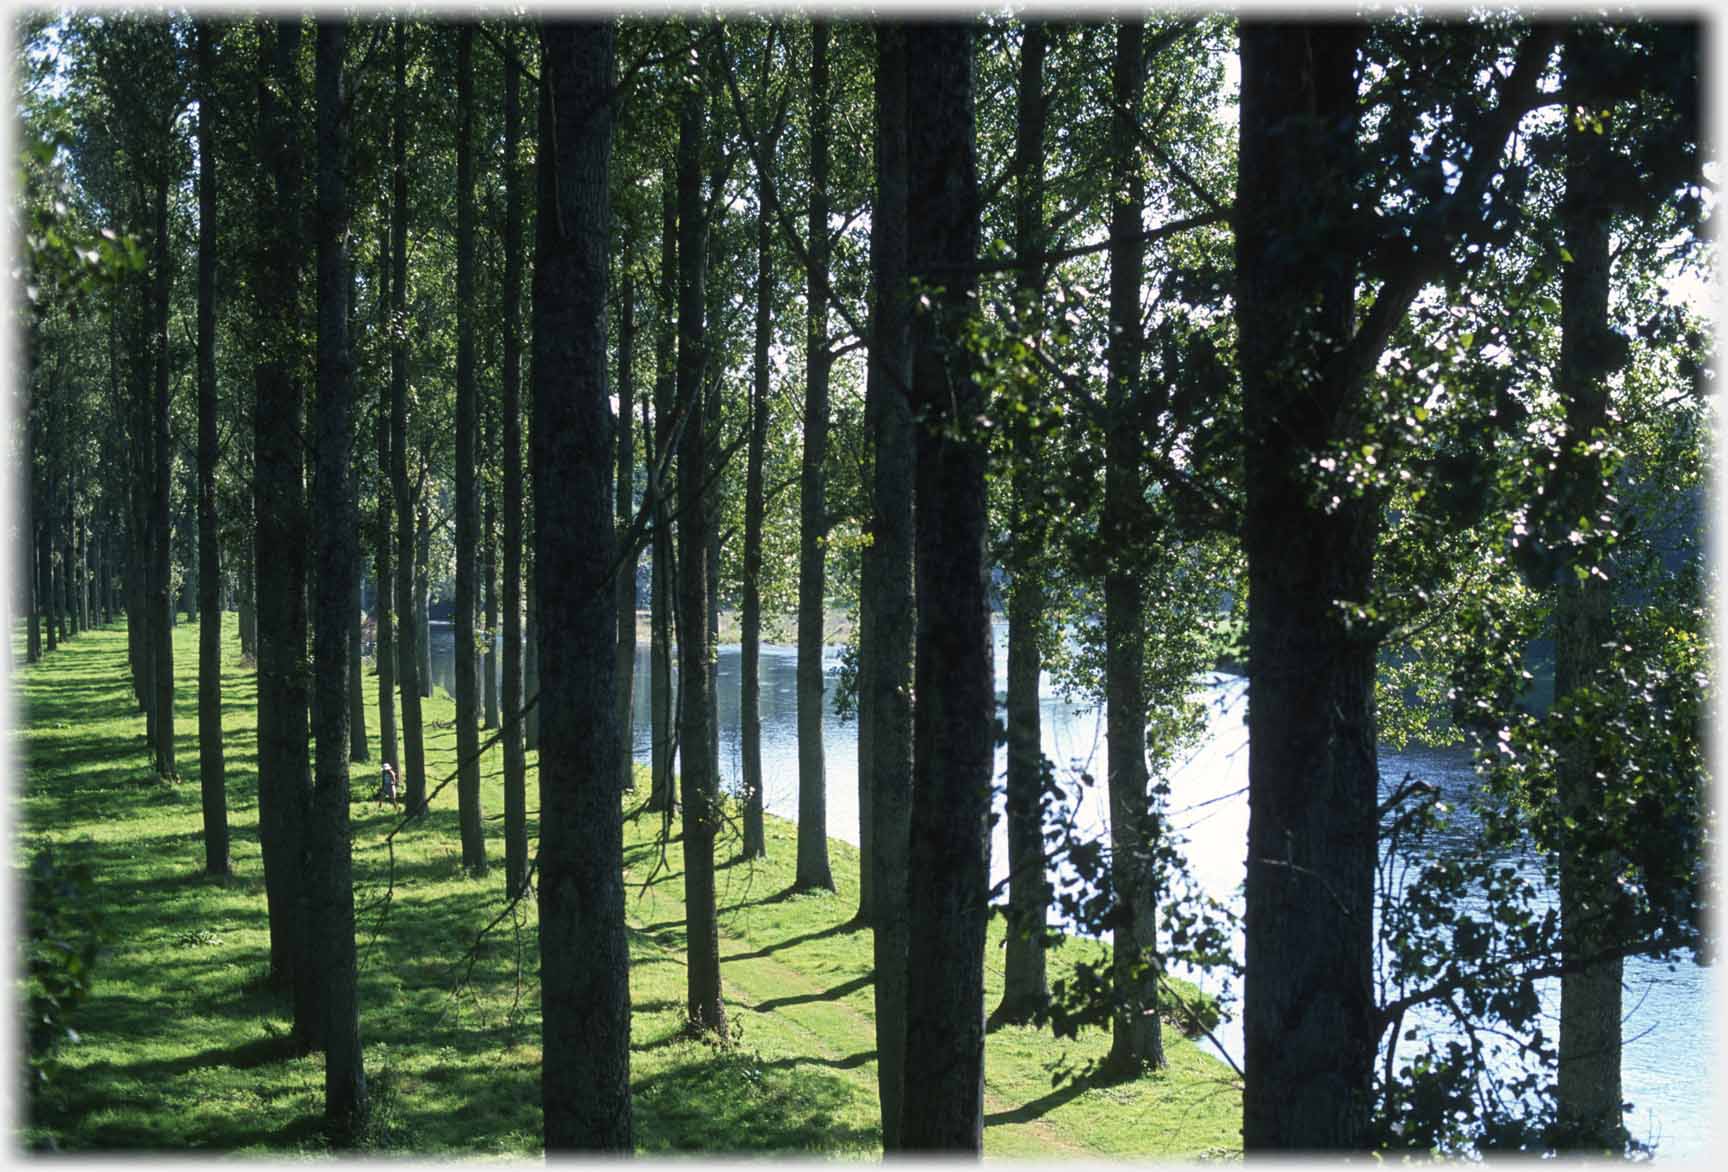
(1668,1063)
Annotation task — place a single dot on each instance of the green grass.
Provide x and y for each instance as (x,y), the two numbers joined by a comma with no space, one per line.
(182,1044)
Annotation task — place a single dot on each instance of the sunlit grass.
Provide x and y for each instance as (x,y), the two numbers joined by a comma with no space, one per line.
(183,1044)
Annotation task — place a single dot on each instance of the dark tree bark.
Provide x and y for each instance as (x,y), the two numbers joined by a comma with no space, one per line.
(699,788)
(1136,1039)
(661,795)
(1309,1009)
(515,760)
(531,663)
(329,861)
(423,585)
(755,843)
(489,580)
(383,571)
(247,603)
(27,529)
(161,533)
(284,771)
(408,658)
(358,749)
(1309,1021)
(212,780)
(74,566)
(1025,987)
(1588,1092)
(953,742)
(626,584)
(467,489)
(585,990)
(45,580)
(85,575)
(812,867)
(886,606)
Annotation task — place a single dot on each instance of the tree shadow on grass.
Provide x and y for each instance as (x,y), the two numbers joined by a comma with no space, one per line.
(850,1062)
(1043,1104)
(834,994)
(731,1101)
(844,928)
(250,1055)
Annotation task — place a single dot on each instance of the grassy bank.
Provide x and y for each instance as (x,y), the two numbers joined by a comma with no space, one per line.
(182,1044)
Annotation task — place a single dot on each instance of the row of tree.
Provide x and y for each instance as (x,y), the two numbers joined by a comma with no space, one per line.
(1304,397)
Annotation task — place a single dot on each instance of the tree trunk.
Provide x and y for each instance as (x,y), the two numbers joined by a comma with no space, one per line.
(626,584)
(887,635)
(423,587)
(531,663)
(664,739)
(489,586)
(585,988)
(698,772)
(161,550)
(27,492)
(247,604)
(212,780)
(1135,1037)
(1025,987)
(467,488)
(1588,1094)
(1308,1009)
(86,574)
(943,1107)
(383,571)
(750,620)
(515,760)
(358,749)
(284,771)
(329,862)
(408,658)
(812,869)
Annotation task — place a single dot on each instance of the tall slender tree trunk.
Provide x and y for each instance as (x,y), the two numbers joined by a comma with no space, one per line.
(664,738)
(408,658)
(531,662)
(27,490)
(515,760)
(86,573)
(626,584)
(698,772)
(1025,986)
(489,585)
(247,604)
(1136,1039)
(953,754)
(383,566)
(284,771)
(750,634)
(423,586)
(329,861)
(886,603)
(1308,1010)
(812,867)
(467,488)
(45,576)
(212,780)
(78,612)
(161,550)
(1588,1095)
(585,988)
(358,749)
